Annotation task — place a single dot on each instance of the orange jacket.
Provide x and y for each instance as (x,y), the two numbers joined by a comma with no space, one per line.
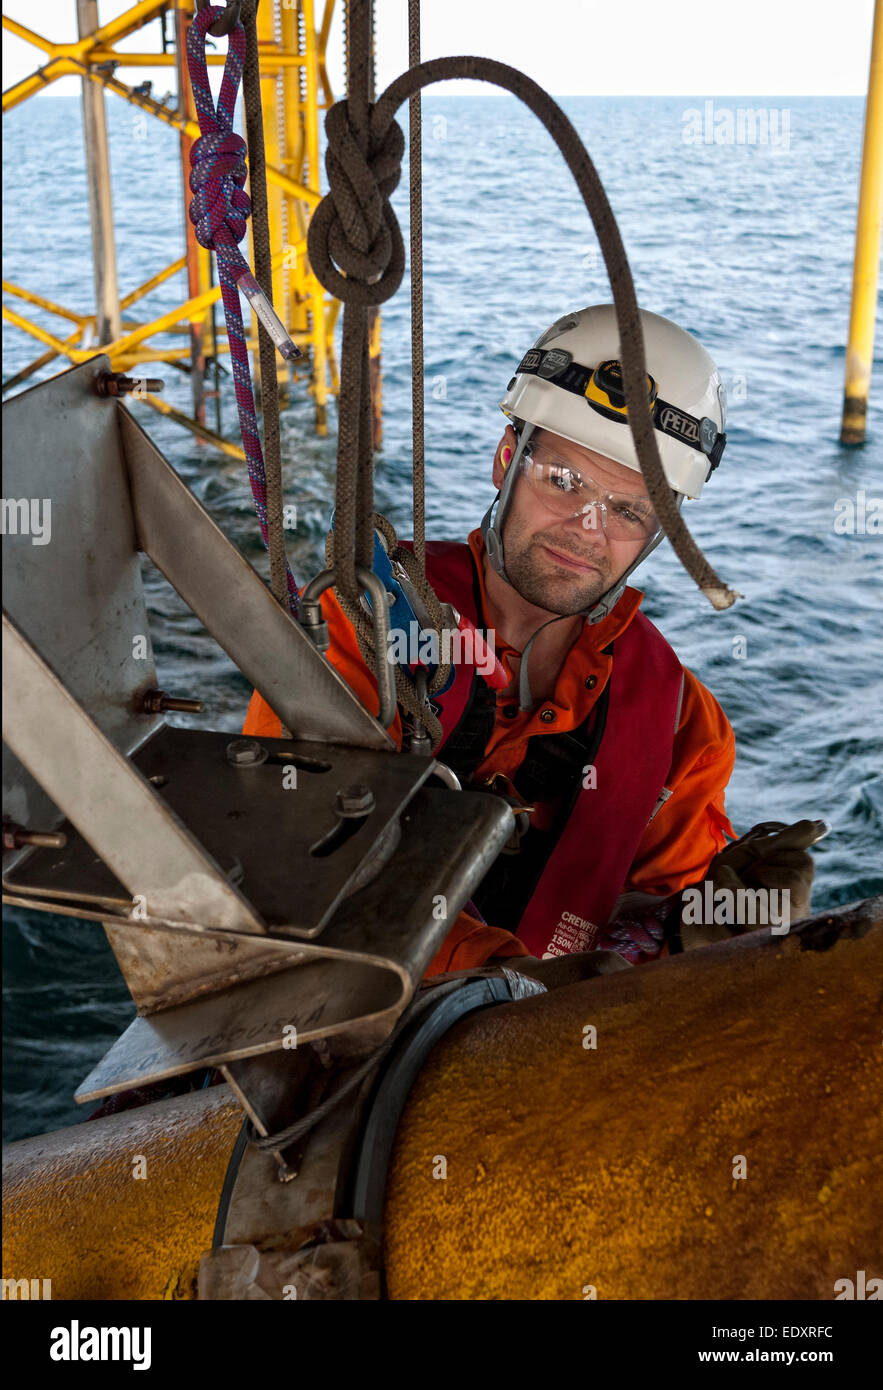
(684,835)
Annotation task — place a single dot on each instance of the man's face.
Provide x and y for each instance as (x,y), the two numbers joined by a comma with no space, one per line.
(564,565)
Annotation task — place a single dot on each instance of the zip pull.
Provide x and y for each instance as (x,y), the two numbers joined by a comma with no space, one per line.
(268,316)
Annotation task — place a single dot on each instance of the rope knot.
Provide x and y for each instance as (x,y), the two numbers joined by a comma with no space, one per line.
(354,227)
(220,208)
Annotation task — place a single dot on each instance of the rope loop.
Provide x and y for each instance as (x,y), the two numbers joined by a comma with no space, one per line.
(354,229)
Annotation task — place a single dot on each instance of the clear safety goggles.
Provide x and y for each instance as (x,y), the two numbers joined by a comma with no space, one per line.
(566,491)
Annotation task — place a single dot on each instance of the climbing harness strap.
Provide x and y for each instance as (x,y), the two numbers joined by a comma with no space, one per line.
(219,211)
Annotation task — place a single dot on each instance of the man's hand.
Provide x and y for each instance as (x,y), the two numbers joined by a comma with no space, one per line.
(771,855)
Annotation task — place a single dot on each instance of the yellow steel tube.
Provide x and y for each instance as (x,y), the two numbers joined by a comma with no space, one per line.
(719,1135)
(274,175)
(327,16)
(154,280)
(317,292)
(42,336)
(866,266)
(128,22)
(194,426)
(108,34)
(31,298)
(42,361)
(43,77)
(28,35)
(121,1207)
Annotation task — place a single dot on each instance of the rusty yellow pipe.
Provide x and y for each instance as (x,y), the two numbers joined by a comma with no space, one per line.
(707,1127)
(531,1166)
(75,1210)
(866,266)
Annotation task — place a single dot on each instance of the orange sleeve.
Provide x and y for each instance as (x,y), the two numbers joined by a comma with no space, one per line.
(344,654)
(471,943)
(692,825)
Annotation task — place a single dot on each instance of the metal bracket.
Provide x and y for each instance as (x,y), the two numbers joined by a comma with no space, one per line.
(302,883)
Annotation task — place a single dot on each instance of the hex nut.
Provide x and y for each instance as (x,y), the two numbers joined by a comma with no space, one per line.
(356,800)
(246,752)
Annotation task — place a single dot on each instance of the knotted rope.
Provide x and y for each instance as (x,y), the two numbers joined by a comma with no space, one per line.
(219,211)
(356,251)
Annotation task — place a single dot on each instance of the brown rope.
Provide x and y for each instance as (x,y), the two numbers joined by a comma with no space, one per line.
(355,229)
(415,140)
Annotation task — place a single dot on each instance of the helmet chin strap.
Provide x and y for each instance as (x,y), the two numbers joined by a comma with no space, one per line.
(492,534)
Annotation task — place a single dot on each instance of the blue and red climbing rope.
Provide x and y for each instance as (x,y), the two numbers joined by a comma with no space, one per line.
(219,211)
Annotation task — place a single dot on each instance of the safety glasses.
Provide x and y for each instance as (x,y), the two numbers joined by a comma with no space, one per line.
(566,491)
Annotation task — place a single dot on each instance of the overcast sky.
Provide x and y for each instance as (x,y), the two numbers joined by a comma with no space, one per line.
(573,47)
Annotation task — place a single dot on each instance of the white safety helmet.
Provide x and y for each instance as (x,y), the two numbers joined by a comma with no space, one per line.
(570,383)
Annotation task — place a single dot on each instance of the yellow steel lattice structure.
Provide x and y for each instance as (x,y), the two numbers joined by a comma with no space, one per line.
(292,37)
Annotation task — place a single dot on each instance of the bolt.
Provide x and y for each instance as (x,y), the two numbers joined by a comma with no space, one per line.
(357,800)
(246,752)
(16,837)
(157,702)
(118,384)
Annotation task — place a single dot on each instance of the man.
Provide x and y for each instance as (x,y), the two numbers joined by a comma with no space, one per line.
(613,756)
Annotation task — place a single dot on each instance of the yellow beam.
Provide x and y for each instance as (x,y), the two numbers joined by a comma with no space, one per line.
(42,361)
(866,266)
(155,280)
(108,34)
(43,77)
(194,426)
(28,35)
(191,309)
(169,117)
(76,355)
(31,298)
(292,55)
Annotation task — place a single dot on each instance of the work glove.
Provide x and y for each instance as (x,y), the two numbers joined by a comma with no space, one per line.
(770,855)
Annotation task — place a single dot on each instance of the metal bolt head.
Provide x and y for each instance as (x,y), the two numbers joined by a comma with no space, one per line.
(246,752)
(356,800)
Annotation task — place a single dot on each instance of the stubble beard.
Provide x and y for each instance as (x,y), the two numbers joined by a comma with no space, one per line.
(555,589)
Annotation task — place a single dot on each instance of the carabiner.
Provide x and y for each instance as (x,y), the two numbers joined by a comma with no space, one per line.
(229,19)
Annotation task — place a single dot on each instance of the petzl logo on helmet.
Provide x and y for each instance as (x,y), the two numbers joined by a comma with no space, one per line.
(681,426)
(530,361)
(554,361)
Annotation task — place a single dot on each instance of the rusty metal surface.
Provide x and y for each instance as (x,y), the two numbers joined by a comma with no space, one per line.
(75,1212)
(572,1168)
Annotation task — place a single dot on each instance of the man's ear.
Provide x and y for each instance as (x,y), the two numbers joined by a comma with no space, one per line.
(503,456)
